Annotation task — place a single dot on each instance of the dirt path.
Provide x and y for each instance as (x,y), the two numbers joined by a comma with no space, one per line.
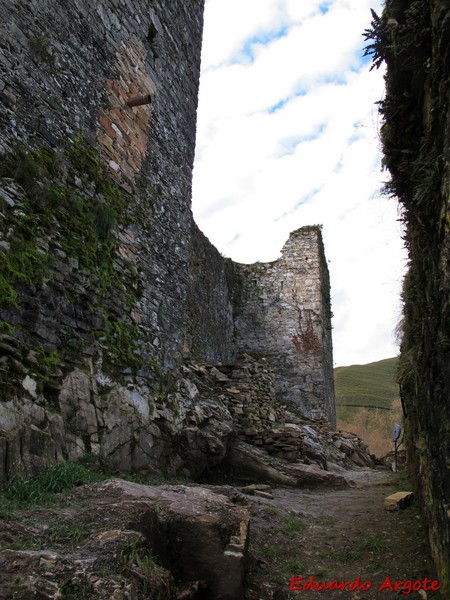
(338,535)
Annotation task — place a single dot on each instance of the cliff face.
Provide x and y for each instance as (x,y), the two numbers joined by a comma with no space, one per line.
(414,40)
(107,285)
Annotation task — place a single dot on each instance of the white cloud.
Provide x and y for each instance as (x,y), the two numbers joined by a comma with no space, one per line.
(287,136)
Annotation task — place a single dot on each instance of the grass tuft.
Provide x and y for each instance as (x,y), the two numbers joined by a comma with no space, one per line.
(41,490)
(292,526)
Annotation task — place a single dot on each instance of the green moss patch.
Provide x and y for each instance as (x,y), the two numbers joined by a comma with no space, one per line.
(66,215)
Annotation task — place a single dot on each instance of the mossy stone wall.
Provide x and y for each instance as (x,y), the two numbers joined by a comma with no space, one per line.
(413,38)
(107,285)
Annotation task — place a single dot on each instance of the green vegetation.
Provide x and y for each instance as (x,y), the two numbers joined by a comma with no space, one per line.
(76,590)
(84,228)
(41,50)
(372,385)
(41,490)
(374,542)
(343,555)
(292,526)
(271,552)
(414,134)
(154,578)
(272,510)
(368,402)
(63,477)
(70,208)
(67,533)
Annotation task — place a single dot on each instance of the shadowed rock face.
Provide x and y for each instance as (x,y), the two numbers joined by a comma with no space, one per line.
(196,539)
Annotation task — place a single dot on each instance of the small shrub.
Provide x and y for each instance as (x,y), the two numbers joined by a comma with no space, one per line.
(41,50)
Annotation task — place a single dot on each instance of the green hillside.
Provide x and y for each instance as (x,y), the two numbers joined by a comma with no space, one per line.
(368,402)
(371,385)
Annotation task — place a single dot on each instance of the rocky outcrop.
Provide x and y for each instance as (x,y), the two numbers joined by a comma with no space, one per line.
(248,389)
(188,430)
(129,540)
(249,461)
(128,428)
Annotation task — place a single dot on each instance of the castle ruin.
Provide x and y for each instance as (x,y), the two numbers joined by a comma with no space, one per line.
(108,287)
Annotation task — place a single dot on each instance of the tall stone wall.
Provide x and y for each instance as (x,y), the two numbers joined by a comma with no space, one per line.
(102,290)
(283,312)
(106,284)
(67,72)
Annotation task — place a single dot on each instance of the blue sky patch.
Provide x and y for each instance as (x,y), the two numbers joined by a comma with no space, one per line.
(247,52)
(324,7)
(277,106)
(284,101)
(234,239)
(304,200)
(289,144)
(309,196)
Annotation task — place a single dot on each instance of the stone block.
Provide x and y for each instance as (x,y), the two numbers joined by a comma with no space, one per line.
(398,501)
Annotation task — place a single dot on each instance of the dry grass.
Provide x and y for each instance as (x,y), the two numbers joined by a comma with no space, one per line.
(374,426)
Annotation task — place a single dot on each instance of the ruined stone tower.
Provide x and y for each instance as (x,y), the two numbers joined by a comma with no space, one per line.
(286,316)
(107,284)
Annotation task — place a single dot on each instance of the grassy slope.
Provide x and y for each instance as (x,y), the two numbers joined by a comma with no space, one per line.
(367,385)
(368,403)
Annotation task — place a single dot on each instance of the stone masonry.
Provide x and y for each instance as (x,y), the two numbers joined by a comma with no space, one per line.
(285,315)
(107,285)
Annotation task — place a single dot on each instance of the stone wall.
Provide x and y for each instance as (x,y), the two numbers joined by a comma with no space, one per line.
(283,312)
(106,284)
(67,71)
(101,275)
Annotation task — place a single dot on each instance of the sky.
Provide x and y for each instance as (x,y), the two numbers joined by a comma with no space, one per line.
(288,135)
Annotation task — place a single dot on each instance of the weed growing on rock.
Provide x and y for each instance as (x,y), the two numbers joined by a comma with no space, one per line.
(41,50)
(68,534)
(143,566)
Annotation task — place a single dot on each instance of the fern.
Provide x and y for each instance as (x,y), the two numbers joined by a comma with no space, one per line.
(378,37)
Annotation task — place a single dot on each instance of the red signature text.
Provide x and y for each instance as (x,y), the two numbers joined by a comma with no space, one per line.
(300,584)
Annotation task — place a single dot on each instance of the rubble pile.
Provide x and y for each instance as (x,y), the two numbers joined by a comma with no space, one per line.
(246,390)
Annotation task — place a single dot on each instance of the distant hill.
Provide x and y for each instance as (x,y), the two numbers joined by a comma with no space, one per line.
(368,402)
(372,385)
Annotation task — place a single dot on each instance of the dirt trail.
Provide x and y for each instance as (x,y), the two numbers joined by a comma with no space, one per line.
(338,535)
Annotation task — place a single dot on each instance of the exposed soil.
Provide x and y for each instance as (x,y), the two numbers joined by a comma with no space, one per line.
(329,534)
(338,535)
